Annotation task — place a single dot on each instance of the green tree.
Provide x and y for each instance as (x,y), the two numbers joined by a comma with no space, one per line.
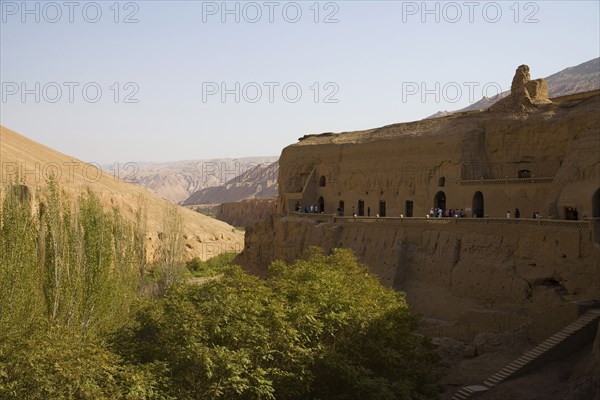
(62,364)
(170,262)
(21,303)
(321,328)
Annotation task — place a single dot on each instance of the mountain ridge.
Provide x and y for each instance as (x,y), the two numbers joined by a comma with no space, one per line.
(34,162)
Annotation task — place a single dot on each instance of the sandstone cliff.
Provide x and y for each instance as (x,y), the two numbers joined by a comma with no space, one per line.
(246,212)
(529,153)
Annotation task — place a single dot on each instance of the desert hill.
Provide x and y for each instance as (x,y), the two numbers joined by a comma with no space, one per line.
(581,78)
(259,182)
(34,162)
(176,181)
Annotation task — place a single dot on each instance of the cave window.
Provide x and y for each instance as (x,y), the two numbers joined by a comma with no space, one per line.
(524,173)
(322,181)
(442,181)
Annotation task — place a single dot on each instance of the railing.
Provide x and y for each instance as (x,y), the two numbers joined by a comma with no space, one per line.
(552,223)
(506,181)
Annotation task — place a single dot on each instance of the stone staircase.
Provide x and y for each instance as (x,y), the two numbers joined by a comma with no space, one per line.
(589,317)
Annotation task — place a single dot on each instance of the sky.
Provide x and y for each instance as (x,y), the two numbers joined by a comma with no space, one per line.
(112,81)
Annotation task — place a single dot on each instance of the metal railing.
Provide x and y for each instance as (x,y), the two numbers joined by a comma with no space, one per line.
(506,181)
(552,223)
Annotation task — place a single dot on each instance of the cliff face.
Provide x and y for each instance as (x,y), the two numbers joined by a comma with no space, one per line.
(451,268)
(246,212)
(555,146)
(528,153)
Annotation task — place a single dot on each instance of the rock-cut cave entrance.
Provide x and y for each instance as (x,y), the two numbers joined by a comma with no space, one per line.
(321,205)
(440,200)
(478,210)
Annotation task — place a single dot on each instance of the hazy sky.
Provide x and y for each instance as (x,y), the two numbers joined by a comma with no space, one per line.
(160,81)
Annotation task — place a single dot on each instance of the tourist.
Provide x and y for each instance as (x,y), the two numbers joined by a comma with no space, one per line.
(534,216)
(439,213)
(508,214)
(517,213)
(431,213)
(575,215)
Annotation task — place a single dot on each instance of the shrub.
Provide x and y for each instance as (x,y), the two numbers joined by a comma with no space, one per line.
(321,328)
(63,364)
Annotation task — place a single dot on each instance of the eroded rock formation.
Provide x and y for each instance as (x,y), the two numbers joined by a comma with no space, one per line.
(525,94)
(247,212)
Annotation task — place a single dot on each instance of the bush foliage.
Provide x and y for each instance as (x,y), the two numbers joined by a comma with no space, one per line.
(321,328)
(77,323)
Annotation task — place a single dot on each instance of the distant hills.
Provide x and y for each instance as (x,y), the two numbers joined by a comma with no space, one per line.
(34,162)
(176,181)
(581,78)
(257,183)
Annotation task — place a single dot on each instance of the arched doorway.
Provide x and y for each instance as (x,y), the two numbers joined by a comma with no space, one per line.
(478,210)
(321,205)
(596,204)
(361,208)
(408,208)
(440,200)
(322,181)
(382,208)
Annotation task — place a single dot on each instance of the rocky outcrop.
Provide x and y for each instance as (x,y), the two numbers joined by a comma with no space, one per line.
(581,78)
(585,380)
(247,212)
(525,94)
(448,271)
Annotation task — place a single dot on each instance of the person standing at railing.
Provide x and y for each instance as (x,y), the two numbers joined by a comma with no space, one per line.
(508,214)
(575,215)
(517,213)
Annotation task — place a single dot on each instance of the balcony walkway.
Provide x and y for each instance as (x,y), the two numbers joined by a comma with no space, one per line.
(556,223)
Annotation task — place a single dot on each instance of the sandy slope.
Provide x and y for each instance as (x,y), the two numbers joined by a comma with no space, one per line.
(34,162)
